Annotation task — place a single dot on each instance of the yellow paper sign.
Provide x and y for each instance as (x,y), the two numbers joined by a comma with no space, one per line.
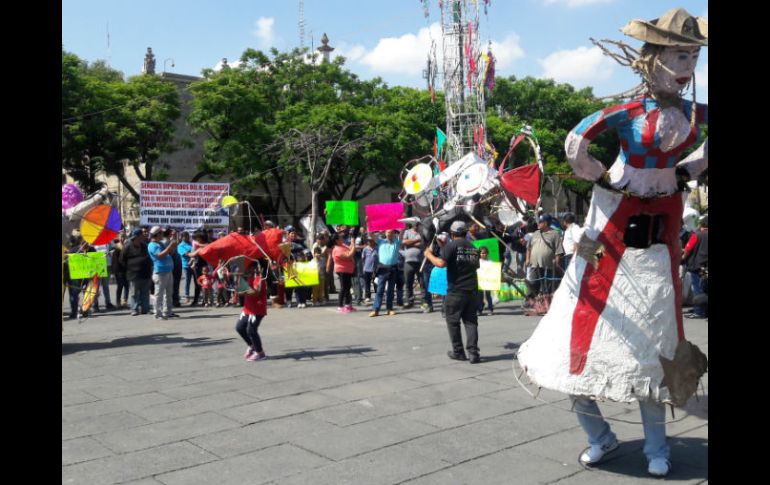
(301,274)
(489,274)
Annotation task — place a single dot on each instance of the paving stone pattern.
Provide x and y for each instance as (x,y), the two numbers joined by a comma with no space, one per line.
(343,399)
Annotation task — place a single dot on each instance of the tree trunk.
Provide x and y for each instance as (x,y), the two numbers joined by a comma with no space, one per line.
(92,187)
(313,215)
(124,181)
(198,176)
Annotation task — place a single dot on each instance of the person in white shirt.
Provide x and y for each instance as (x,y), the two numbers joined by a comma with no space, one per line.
(572,234)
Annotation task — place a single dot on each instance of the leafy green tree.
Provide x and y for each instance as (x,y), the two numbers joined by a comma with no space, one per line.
(552,110)
(252,114)
(88,108)
(106,120)
(312,151)
(144,127)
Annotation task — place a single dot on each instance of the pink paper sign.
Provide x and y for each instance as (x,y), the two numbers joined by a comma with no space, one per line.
(381,217)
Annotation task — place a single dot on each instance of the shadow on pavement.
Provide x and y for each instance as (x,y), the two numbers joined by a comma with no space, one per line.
(486,358)
(506,356)
(311,354)
(507,311)
(630,461)
(208,316)
(165,339)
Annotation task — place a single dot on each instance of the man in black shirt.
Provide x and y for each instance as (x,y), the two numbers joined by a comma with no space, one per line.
(136,259)
(461,259)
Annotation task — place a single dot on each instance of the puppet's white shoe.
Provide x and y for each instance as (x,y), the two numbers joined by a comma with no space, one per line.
(595,453)
(659,467)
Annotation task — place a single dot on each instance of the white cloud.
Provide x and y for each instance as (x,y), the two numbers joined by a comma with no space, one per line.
(264,31)
(352,53)
(408,54)
(576,3)
(577,66)
(233,64)
(508,50)
(403,55)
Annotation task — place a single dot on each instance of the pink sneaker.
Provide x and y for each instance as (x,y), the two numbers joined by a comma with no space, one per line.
(350,308)
(249,351)
(341,309)
(257,356)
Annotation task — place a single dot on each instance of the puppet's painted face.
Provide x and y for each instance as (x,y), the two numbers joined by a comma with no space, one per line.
(674,68)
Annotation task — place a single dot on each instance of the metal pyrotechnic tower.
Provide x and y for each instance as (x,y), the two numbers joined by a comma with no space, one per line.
(463,79)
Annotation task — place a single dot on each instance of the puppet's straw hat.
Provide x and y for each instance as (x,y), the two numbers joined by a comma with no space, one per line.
(674,28)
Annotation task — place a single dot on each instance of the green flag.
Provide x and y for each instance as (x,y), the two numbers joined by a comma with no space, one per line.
(441,136)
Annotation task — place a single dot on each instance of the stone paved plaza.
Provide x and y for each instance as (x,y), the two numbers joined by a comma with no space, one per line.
(343,399)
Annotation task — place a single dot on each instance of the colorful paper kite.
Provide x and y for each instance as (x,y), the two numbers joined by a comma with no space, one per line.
(100,225)
(235,244)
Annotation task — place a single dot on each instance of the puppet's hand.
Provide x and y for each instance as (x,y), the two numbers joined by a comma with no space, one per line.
(604,181)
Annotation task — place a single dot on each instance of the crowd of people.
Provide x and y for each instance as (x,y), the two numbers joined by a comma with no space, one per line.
(370,269)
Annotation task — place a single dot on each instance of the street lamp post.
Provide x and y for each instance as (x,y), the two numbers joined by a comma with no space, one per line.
(165,61)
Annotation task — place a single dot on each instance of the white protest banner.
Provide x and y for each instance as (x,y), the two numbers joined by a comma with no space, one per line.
(183,205)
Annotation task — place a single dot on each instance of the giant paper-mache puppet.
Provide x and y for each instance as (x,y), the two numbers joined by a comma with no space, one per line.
(614,329)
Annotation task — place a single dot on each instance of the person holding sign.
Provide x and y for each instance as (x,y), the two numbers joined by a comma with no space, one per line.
(74,284)
(297,249)
(461,259)
(344,267)
(163,266)
(412,262)
(484,255)
(387,271)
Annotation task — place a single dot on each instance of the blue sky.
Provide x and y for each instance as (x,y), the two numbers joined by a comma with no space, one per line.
(387,38)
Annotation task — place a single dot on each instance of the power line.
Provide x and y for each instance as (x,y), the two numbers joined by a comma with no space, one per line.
(138,100)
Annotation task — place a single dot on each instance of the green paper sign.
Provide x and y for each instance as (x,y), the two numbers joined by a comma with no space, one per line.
(492,245)
(87,265)
(342,212)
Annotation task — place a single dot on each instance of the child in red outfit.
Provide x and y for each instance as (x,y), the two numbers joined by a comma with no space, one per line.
(254,310)
(206,282)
